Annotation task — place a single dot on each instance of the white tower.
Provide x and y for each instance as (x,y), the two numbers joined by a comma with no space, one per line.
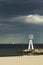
(30,41)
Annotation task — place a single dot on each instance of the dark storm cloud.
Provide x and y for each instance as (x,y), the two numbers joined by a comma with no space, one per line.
(13,13)
(18,9)
(21,1)
(9,8)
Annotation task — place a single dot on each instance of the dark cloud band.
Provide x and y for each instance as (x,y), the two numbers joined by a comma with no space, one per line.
(22,1)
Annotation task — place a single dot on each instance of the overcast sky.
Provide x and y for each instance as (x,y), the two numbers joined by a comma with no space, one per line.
(18,18)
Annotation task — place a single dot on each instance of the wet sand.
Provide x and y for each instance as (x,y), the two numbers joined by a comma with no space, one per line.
(22,60)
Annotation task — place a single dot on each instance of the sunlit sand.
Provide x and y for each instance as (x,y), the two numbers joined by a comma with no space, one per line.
(22,60)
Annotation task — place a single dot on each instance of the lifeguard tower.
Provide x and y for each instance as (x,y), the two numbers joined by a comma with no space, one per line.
(30,41)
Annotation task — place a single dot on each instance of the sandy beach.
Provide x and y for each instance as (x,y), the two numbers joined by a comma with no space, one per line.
(22,60)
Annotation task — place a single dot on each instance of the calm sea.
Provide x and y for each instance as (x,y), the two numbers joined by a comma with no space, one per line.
(13,49)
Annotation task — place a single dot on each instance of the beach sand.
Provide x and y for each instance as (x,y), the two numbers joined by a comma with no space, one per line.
(22,60)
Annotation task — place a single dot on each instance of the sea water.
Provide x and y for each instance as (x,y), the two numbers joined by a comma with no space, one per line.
(14,49)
